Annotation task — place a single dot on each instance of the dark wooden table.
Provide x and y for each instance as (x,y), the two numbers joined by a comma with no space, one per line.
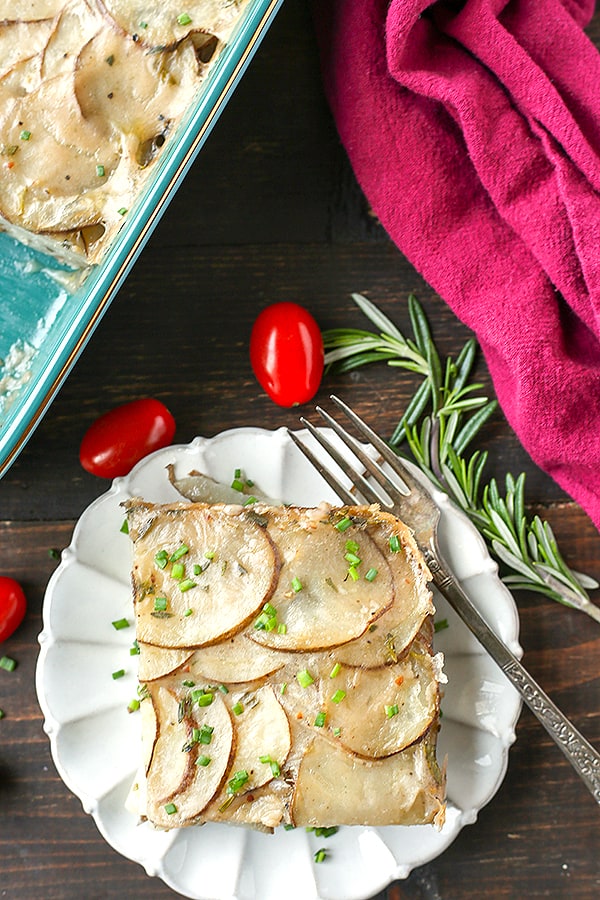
(271,212)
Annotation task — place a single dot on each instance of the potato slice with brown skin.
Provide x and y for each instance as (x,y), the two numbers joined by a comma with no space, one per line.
(382,710)
(167,23)
(316,600)
(336,787)
(21,40)
(75,26)
(231,589)
(178,789)
(156,662)
(234,660)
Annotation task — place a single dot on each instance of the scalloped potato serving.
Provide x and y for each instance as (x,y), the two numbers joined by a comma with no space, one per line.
(90,92)
(286,666)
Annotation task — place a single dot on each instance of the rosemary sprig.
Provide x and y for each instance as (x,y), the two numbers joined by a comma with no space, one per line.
(439,424)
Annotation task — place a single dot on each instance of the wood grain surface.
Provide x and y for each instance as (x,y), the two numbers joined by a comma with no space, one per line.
(270,211)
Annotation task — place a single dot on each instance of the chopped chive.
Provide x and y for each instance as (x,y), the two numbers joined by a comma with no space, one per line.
(289,827)
(305,678)
(270,609)
(188,683)
(135,649)
(205,699)
(188,612)
(170,809)
(7,663)
(161,559)
(54,552)
(205,736)
(122,211)
(252,499)
(337,732)
(344,524)
(124,529)
(351,547)
(25,135)
(338,696)
(118,624)
(275,767)
(335,671)
(237,782)
(327,832)
(282,628)
(237,473)
(118,674)
(237,709)
(353,573)
(223,688)
(177,571)
(391,711)
(203,760)
(283,687)
(296,585)
(394,543)
(100,171)
(160,604)
(181,551)
(133,705)
(2,713)
(371,575)
(320,855)
(440,625)
(237,485)
(353,559)
(210,554)
(186,585)
(320,720)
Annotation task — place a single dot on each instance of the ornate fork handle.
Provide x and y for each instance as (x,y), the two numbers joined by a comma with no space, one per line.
(580,753)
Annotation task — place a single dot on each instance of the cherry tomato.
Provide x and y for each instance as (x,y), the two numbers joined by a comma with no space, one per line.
(286,353)
(12,606)
(117,440)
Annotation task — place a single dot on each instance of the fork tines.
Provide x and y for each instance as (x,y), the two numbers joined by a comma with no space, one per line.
(394,491)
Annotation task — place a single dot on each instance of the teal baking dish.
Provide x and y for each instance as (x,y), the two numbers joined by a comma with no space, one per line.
(45,317)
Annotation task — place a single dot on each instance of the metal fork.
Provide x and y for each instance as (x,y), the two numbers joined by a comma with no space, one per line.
(413,503)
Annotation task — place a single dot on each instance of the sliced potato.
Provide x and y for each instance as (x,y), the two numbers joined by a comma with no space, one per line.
(402,702)
(167,23)
(29,10)
(234,660)
(336,787)
(231,589)
(21,40)
(178,788)
(156,662)
(317,602)
(76,24)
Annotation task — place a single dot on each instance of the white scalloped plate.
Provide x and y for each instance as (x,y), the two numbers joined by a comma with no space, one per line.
(94,740)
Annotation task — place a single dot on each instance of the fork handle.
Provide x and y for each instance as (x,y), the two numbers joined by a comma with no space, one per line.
(580,753)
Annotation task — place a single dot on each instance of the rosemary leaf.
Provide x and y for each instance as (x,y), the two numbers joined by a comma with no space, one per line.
(443,417)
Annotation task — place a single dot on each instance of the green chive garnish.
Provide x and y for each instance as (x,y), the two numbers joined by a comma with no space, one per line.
(237,709)
(337,732)
(203,761)
(118,674)
(391,711)
(282,629)
(320,720)
(188,612)
(305,678)
(394,543)
(353,573)
(338,696)
(135,649)
(320,855)
(440,625)
(133,705)
(205,736)
(25,135)
(186,585)
(296,585)
(161,559)
(7,663)
(371,575)
(335,671)
(237,782)
(160,604)
(344,524)
(124,529)
(170,809)
(205,699)
(118,624)
(177,571)
(181,551)
(100,171)
(184,19)
(353,559)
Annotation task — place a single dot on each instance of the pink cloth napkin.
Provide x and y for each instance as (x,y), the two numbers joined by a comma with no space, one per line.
(474,130)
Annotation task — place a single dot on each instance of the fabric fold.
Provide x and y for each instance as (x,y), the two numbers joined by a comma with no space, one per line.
(474,130)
